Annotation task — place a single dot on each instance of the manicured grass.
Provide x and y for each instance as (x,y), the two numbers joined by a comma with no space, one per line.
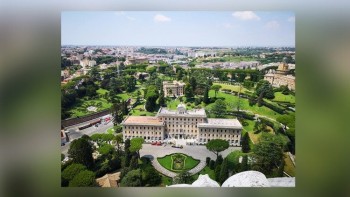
(140,111)
(80,108)
(167,162)
(289,168)
(255,137)
(286,98)
(172,103)
(231,87)
(110,130)
(205,170)
(233,157)
(244,104)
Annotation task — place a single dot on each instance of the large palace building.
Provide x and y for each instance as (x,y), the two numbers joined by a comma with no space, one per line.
(191,125)
(173,88)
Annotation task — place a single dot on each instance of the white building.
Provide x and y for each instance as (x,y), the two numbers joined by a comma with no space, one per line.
(190,125)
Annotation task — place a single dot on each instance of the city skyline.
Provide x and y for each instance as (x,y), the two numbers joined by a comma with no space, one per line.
(182,29)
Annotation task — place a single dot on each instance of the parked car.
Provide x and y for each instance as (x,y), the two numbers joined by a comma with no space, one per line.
(153,143)
(159,143)
(175,146)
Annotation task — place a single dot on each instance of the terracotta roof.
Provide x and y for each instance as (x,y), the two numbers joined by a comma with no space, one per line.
(142,120)
(109,180)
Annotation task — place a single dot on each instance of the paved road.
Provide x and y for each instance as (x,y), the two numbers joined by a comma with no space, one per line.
(75,133)
(196,151)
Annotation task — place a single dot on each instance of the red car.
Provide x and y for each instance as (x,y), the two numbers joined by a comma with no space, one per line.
(159,143)
(153,143)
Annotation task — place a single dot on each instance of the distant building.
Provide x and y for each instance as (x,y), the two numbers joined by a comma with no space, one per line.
(191,125)
(280,76)
(173,88)
(136,60)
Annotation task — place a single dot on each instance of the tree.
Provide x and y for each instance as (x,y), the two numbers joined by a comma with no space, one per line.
(223,172)
(117,112)
(183,177)
(217,172)
(105,149)
(219,160)
(245,143)
(264,89)
(151,98)
(80,151)
(212,164)
(244,165)
(268,153)
(151,177)
(179,74)
(207,161)
(161,99)
(188,91)
(132,179)
(206,95)
(193,83)
(136,145)
(128,154)
(134,162)
(118,139)
(216,88)
(85,178)
(94,74)
(72,170)
(217,145)
(219,109)
(130,82)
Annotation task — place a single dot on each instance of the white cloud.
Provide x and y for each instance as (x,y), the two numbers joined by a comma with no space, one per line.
(161,18)
(246,15)
(273,25)
(130,18)
(291,19)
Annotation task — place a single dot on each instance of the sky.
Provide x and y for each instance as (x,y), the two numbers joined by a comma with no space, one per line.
(174,28)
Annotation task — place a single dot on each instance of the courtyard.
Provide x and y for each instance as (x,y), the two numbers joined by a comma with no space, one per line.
(198,152)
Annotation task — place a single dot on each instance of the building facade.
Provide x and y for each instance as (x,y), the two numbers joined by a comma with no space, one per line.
(173,88)
(280,77)
(191,125)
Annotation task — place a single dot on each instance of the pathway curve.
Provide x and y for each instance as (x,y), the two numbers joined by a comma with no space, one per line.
(196,151)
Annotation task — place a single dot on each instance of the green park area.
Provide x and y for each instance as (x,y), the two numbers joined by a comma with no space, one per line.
(284,98)
(178,162)
(232,87)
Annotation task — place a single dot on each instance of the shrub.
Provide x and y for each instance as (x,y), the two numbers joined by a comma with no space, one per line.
(85,178)
(212,164)
(72,170)
(207,161)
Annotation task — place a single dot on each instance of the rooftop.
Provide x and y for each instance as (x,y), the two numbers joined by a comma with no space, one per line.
(195,112)
(221,123)
(142,120)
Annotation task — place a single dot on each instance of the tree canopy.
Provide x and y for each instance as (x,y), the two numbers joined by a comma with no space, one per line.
(136,145)
(72,170)
(85,178)
(217,145)
(219,108)
(81,152)
(132,179)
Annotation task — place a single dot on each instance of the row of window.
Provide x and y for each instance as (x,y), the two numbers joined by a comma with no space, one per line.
(132,127)
(217,135)
(146,138)
(152,133)
(229,141)
(221,130)
(182,119)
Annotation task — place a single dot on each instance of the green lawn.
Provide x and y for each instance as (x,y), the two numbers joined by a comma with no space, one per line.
(205,170)
(80,108)
(244,104)
(102,91)
(286,98)
(233,157)
(172,103)
(167,162)
(232,87)
(140,111)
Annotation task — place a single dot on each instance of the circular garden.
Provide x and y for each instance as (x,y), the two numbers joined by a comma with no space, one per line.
(178,162)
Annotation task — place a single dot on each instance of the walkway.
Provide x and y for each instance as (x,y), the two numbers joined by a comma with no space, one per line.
(196,151)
